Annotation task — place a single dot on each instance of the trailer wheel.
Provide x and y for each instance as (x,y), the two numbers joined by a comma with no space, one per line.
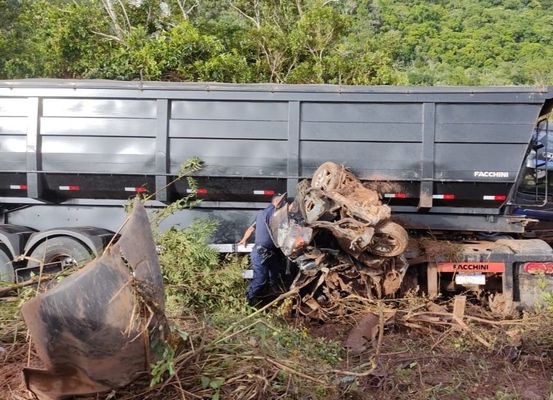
(328,176)
(58,253)
(7,273)
(389,240)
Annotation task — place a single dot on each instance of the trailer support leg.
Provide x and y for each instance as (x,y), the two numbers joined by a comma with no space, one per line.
(507,283)
(432,280)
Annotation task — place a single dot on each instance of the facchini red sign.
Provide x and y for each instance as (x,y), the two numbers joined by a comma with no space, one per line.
(471,267)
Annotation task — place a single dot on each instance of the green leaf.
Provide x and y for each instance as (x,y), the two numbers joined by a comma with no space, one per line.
(216,383)
(183,335)
(204,381)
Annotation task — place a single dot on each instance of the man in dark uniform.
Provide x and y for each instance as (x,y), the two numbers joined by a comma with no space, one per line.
(265,261)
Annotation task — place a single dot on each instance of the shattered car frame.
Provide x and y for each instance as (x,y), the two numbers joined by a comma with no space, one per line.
(340,235)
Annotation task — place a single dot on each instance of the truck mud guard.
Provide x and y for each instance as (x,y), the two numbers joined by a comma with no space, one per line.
(93,331)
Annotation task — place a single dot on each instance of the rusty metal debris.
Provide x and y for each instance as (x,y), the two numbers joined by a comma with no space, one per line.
(94,331)
(340,235)
(363,334)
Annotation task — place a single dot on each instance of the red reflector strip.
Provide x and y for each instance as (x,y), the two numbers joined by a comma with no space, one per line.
(18,187)
(472,267)
(136,189)
(197,191)
(264,192)
(496,198)
(70,188)
(539,268)
(395,195)
(443,196)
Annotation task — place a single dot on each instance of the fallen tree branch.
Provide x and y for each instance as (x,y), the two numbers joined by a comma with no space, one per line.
(272,303)
(470,317)
(4,291)
(465,327)
(380,331)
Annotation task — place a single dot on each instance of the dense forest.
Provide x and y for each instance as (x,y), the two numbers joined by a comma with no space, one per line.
(442,42)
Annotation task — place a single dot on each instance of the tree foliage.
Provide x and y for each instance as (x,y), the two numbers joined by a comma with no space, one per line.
(468,42)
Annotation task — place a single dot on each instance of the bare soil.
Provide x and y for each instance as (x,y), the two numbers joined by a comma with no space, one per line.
(428,362)
(449,366)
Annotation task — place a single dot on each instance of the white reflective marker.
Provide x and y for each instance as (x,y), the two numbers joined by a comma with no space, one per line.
(470,279)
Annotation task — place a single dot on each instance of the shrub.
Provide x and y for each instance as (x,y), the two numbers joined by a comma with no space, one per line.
(195,276)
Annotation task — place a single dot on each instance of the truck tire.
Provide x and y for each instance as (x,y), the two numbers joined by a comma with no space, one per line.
(7,273)
(389,240)
(57,253)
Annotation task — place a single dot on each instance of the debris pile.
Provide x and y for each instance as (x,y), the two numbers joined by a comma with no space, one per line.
(340,235)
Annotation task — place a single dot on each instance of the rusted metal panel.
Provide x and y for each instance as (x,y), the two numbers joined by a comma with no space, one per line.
(93,330)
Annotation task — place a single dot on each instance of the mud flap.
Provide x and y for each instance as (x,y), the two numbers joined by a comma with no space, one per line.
(93,330)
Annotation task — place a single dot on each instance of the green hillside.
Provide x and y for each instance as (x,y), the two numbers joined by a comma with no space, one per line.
(447,42)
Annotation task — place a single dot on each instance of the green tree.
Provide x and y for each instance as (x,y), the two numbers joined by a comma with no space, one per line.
(452,42)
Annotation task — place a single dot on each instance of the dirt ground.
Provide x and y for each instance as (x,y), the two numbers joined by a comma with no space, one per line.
(415,365)
(424,363)
(409,369)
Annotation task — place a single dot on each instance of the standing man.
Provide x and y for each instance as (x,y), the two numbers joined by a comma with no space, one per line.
(264,258)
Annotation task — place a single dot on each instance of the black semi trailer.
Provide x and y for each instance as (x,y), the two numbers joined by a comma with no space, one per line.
(464,164)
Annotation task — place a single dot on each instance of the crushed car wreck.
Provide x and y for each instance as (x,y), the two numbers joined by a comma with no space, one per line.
(96,329)
(340,235)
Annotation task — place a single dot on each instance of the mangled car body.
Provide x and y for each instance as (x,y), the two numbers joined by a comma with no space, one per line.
(340,235)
